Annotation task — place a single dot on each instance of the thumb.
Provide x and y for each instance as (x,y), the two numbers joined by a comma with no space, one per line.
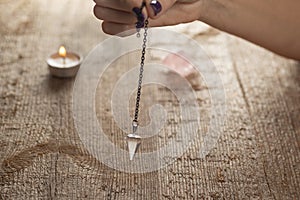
(155,8)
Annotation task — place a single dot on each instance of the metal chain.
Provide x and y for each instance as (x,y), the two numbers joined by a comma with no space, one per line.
(140,81)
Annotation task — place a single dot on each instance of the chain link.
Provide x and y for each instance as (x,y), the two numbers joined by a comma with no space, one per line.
(140,81)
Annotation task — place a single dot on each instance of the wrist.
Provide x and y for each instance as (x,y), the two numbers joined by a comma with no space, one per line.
(216,13)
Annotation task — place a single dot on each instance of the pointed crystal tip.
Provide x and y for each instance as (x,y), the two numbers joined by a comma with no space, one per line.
(133,142)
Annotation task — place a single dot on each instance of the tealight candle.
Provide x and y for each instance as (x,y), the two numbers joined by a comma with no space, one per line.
(64,64)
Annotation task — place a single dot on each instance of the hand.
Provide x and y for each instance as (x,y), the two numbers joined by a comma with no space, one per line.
(272,24)
(117,15)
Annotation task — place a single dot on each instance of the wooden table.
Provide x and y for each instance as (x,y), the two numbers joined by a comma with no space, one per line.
(42,157)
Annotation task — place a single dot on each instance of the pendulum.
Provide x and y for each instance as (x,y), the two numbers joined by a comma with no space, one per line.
(133,139)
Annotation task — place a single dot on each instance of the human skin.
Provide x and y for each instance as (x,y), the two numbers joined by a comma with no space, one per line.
(272,24)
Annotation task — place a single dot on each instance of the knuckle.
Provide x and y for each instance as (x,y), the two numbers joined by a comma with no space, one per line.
(96,11)
(99,12)
(105,28)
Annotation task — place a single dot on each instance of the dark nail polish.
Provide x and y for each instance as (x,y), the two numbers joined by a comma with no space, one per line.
(139,24)
(140,17)
(136,11)
(156,6)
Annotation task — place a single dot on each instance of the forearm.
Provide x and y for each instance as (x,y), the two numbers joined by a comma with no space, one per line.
(274,25)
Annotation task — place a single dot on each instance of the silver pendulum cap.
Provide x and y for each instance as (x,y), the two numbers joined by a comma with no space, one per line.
(133,141)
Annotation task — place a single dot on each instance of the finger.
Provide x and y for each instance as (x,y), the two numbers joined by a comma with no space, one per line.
(124,5)
(114,4)
(173,17)
(118,29)
(131,6)
(112,15)
(156,8)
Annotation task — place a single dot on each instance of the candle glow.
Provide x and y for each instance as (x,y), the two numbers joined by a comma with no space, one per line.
(62,52)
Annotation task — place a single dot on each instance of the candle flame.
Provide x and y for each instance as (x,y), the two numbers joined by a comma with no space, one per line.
(62,51)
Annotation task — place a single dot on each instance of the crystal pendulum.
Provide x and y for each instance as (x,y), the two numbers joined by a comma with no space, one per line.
(134,140)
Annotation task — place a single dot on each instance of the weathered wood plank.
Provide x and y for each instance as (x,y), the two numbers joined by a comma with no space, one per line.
(271,90)
(256,157)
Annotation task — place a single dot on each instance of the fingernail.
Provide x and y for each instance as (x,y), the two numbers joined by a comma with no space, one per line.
(136,11)
(139,24)
(140,17)
(156,6)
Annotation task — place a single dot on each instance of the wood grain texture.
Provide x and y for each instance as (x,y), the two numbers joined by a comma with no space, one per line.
(42,157)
